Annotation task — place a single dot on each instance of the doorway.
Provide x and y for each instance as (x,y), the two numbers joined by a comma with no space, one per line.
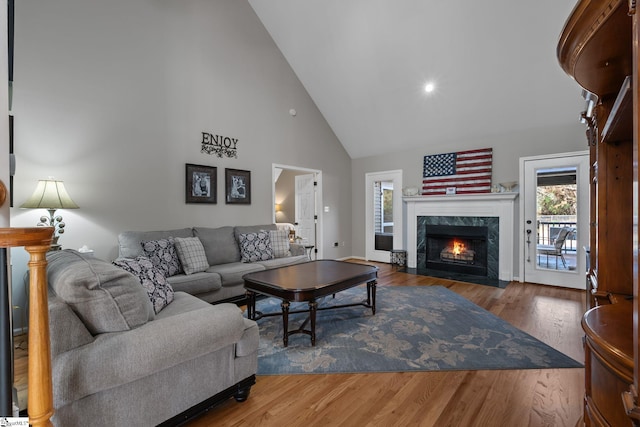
(383,223)
(554,208)
(297,193)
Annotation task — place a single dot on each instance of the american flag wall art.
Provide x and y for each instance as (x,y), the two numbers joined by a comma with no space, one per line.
(469,172)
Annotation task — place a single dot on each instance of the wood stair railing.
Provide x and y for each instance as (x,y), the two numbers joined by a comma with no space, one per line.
(36,241)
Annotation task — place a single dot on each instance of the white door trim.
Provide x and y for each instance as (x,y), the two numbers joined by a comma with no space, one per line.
(319,225)
(583,201)
(398,228)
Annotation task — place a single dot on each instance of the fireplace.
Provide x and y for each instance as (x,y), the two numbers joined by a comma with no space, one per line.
(476,252)
(457,248)
(496,211)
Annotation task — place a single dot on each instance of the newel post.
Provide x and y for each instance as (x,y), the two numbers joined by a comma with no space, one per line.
(37,241)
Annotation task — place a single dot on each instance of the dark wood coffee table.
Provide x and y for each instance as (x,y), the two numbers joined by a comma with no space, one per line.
(308,282)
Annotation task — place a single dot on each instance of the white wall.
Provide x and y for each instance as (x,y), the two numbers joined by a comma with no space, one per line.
(507,150)
(112,96)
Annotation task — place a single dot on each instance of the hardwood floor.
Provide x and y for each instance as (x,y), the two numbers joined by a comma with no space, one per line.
(547,397)
(20,369)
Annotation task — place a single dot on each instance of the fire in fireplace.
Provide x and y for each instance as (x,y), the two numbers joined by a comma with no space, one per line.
(457,248)
(458,253)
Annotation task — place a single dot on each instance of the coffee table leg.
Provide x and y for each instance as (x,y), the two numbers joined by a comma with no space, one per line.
(313,306)
(371,290)
(251,305)
(285,322)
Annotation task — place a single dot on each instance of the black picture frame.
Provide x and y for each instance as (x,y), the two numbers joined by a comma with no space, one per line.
(201,184)
(237,186)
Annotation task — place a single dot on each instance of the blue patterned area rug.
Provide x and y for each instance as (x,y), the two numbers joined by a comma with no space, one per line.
(415,328)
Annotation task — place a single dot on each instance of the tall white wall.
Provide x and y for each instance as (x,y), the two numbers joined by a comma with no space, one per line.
(112,96)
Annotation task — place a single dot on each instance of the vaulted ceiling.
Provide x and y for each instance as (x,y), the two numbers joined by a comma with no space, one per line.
(365,63)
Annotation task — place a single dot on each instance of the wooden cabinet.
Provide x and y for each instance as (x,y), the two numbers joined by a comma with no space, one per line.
(608,362)
(598,48)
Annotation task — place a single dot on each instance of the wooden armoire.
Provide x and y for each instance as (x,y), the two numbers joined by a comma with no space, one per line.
(598,47)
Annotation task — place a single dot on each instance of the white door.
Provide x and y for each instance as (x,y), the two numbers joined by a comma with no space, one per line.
(305,208)
(554,219)
(377,224)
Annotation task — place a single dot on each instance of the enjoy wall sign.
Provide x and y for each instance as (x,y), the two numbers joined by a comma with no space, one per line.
(221,146)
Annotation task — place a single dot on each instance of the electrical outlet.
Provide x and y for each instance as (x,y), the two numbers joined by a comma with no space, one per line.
(335,245)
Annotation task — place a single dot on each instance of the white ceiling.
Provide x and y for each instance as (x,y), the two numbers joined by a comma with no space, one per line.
(365,63)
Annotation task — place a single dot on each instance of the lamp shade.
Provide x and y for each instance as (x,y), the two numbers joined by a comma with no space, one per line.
(50,194)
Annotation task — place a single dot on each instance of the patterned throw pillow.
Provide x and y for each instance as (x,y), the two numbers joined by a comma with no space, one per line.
(191,253)
(280,243)
(255,246)
(152,279)
(162,253)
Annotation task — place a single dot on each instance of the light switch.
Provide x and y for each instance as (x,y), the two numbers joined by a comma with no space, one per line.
(326,208)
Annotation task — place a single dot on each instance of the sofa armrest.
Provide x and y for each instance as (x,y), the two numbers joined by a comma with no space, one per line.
(297,249)
(66,329)
(118,358)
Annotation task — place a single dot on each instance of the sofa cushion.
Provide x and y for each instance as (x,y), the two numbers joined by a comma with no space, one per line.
(184,303)
(196,283)
(129,242)
(152,278)
(232,272)
(282,262)
(106,298)
(255,246)
(279,243)
(191,254)
(220,244)
(163,255)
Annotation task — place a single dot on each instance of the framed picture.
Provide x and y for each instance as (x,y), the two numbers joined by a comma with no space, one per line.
(201,184)
(237,186)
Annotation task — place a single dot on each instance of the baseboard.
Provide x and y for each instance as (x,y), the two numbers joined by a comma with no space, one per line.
(20,331)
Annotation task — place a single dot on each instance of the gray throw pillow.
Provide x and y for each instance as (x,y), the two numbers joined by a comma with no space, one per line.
(280,243)
(191,254)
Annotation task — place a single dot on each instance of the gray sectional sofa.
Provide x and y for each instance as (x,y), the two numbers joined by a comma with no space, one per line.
(119,360)
(222,280)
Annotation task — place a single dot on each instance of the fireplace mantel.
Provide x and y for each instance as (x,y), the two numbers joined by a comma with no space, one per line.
(501,205)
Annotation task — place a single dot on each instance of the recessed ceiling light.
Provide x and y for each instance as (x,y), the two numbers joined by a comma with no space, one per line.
(429,87)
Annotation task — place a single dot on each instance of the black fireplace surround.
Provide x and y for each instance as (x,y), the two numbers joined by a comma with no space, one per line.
(480,234)
(471,242)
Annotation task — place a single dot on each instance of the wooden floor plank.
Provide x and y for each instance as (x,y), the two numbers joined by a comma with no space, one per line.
(417,402)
